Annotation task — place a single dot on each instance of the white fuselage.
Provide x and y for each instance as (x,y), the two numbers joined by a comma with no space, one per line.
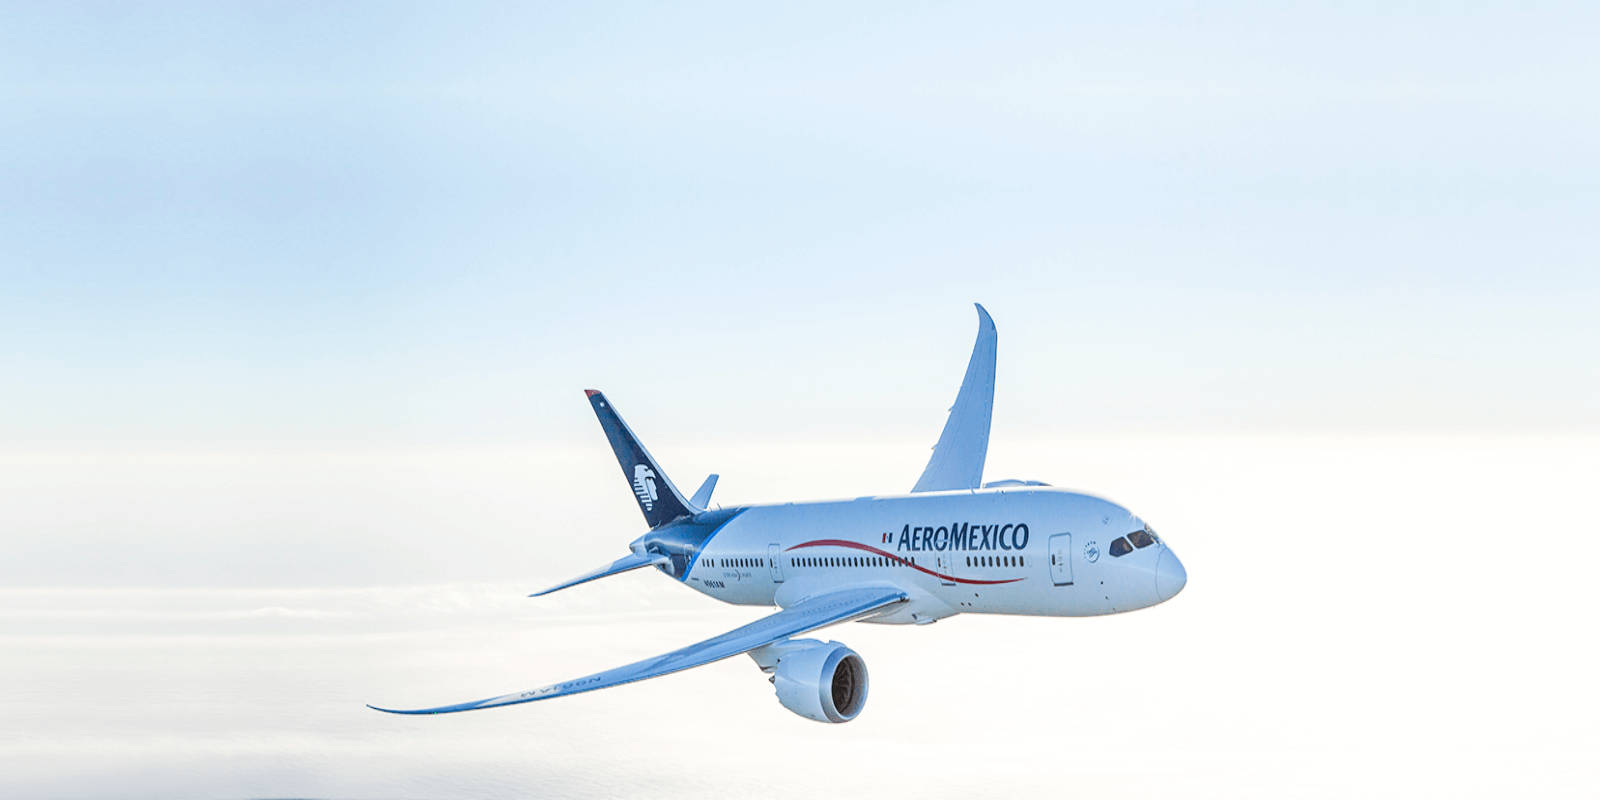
(1023,550)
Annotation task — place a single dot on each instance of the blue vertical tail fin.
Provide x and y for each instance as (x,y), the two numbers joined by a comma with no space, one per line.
(659,500)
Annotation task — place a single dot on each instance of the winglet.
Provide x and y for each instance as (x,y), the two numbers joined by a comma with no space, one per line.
(957,461)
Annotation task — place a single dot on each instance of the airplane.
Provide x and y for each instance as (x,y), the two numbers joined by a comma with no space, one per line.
(953,545)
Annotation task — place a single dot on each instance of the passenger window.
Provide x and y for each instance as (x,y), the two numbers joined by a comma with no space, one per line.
(1120,547)
(1140,539)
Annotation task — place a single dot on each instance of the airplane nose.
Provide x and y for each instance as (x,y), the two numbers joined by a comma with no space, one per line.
(1170,575)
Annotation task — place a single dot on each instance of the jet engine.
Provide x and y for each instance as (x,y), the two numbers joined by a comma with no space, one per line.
(824,681)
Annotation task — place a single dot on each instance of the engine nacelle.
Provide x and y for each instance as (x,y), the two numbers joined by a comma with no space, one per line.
(824,681)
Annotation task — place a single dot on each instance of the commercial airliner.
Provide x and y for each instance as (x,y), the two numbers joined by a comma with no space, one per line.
(953,545)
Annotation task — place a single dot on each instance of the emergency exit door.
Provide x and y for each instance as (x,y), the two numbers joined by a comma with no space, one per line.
(1061,559)
(773,563)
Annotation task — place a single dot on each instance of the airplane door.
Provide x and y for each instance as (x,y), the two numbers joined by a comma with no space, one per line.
(947,567)
(774,564)
(1061,559)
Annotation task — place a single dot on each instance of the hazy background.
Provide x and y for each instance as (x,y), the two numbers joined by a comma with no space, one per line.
(296,302)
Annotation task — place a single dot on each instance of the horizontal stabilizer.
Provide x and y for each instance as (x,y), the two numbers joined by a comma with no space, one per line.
(624,564)
(807,615)
(702,495)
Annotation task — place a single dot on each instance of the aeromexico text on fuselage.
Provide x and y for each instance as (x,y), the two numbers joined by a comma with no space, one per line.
(959,536)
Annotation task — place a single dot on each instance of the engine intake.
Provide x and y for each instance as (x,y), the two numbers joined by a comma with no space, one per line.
(824,681)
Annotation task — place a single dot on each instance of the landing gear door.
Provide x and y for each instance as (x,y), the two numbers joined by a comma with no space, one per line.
(1061,559)
(775,563)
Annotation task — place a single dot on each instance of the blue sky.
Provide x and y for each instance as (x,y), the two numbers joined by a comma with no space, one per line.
(381,222)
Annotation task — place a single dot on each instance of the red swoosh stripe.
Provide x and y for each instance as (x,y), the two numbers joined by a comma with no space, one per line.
(892,556)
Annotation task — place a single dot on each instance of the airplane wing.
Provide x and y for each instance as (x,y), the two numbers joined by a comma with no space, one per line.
(957,461)
(807,615)
(627,562)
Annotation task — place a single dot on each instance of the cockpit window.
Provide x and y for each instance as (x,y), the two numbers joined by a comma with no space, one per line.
(1141,539)
(1120,547)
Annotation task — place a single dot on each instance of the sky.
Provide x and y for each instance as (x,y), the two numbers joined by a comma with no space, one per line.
(387,221)
(297,300)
